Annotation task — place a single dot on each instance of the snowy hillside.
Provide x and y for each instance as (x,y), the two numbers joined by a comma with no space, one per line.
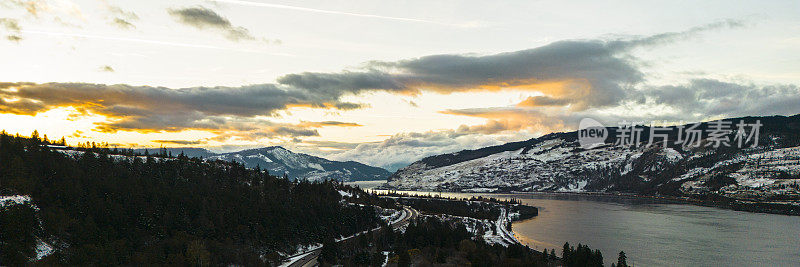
(278,160)
(557,163)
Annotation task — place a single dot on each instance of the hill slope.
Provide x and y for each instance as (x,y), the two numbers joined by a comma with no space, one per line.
(87,206)
(278,161)
(556,162)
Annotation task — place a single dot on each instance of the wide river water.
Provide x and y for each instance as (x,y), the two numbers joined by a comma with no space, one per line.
(654,233)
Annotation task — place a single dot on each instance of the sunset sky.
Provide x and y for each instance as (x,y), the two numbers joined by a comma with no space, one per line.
(384,82)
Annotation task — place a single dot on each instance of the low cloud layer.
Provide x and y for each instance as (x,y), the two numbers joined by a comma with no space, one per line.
(401,149)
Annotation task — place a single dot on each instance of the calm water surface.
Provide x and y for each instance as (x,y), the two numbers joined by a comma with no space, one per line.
(656,234)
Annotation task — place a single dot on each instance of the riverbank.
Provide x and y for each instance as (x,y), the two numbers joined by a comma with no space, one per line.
(708,200)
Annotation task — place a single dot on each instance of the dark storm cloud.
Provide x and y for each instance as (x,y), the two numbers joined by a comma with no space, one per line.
(204,18)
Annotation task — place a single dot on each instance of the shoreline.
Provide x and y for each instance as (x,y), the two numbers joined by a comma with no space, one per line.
(715,201)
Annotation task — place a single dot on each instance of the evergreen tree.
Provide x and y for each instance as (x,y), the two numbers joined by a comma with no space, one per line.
(622,260)
(565,251)
(597,259)
(329,252)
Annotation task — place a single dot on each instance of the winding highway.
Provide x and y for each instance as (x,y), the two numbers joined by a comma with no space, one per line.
(310,258)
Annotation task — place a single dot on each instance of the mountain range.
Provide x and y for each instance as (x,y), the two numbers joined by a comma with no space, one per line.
(279,161)
(769,172)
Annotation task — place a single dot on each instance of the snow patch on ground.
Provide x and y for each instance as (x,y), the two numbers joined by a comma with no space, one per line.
(14,200)
(345,194)
(43,249)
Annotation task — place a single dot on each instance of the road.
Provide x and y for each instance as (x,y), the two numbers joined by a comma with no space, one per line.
(310,259)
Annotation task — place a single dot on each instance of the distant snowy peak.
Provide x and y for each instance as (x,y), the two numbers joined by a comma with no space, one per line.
(279,161)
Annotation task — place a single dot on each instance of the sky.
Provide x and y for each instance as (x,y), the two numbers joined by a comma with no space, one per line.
(384,82)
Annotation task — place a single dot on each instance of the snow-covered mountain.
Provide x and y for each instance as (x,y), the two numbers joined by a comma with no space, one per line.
(557,162)
(278,160)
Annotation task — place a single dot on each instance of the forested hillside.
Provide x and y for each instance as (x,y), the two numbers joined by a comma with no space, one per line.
(100,209)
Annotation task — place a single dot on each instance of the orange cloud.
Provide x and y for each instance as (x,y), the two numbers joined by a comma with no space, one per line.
(508,119)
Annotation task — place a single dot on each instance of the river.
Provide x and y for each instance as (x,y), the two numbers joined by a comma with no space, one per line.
(654,233)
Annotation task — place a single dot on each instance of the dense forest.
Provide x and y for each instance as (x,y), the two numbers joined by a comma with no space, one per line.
(474,207)
(101,209)
(430,241)
(100,206)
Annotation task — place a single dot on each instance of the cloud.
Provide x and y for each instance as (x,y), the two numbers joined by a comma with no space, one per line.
(180,142)
(715,98)
(119,17)
(123,23)
(328,144)
(204,18)
(579,74)
(107,68)
(572,79)
(501,119)
(670,37)
(582,74)
(329,123)
(145,108)
(12,26)
(32,7)
(695,100)
(401,149)
(14,38)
